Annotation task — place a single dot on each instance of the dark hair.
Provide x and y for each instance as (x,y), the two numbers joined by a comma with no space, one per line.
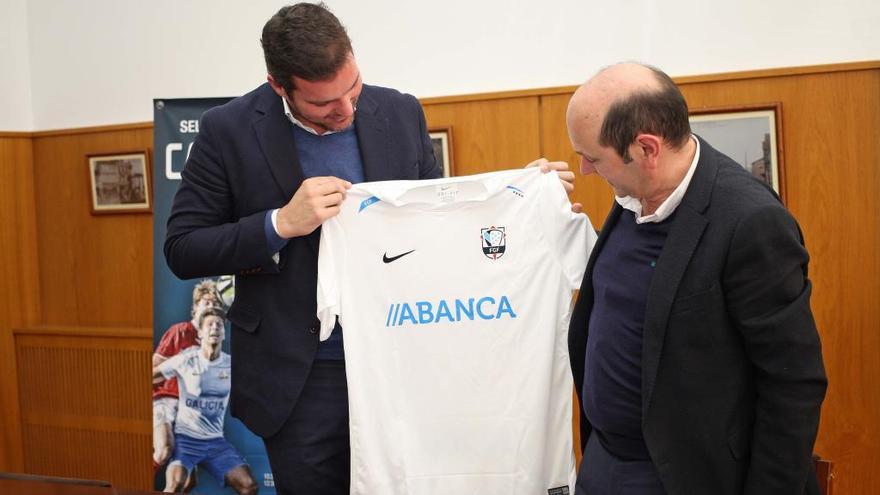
(662,112)
(304,40)
(200,318)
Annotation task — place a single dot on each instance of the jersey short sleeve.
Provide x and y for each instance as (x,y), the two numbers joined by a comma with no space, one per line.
(567,233)
(170,367)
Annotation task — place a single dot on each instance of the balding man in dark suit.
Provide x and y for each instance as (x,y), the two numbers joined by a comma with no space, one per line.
(692,343)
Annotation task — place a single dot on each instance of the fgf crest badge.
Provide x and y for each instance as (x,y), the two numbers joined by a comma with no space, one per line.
(494,242)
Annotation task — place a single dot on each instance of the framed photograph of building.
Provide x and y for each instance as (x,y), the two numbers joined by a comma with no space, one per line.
(120,183)
(441,139)
(749,134)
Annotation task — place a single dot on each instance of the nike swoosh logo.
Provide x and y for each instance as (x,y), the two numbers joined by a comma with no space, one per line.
(386,259)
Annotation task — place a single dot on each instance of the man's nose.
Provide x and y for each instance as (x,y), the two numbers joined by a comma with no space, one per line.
(346,108)
(587,168)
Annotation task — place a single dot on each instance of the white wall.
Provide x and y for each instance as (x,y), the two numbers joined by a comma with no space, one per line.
(15,72)
(103,61)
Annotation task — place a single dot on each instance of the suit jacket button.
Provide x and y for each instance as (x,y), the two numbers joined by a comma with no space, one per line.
(313,329)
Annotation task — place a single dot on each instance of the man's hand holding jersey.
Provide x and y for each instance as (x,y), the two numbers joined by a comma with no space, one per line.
(566,176)
(316,200)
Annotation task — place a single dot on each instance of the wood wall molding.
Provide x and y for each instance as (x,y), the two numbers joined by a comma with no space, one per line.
(498,95)
(103,332)
(101,129)
(76,130)
(779,72)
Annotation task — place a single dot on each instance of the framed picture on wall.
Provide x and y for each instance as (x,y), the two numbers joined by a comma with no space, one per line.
(441,139)
(749,134)
(120,182)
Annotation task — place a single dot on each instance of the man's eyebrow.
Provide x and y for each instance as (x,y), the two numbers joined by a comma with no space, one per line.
(321,102)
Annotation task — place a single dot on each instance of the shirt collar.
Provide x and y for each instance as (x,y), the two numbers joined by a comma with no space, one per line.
(299,124)
(670,204)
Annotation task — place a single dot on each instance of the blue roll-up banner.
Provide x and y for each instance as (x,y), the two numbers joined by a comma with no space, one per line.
(175,126)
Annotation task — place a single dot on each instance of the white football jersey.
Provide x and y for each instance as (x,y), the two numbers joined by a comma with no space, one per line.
(454,296)
(204,392)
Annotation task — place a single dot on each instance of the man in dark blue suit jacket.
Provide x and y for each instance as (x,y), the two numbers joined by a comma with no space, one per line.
(692,343)
(264,172)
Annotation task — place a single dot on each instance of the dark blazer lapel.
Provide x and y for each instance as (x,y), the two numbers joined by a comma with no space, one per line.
(276,140)
(275,135)
(373,139)
(684,236)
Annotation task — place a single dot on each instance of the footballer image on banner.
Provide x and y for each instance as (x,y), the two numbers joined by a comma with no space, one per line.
(197,445)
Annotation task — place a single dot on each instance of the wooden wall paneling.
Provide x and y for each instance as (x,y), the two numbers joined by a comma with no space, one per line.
(85,404)
(832,132)
(490,135)
(591,191)
(19,304)
(94,270)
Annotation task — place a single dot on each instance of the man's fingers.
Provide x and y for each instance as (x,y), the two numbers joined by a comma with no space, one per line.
(326,185)
(331,190)
(325,179)
(540,162)
(316,200)
(329,212)
(557,166)
(567,179)
(566,175)
(332,199)
(546,165)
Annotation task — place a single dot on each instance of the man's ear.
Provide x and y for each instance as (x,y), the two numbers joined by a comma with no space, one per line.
(277,88)
(646,148)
